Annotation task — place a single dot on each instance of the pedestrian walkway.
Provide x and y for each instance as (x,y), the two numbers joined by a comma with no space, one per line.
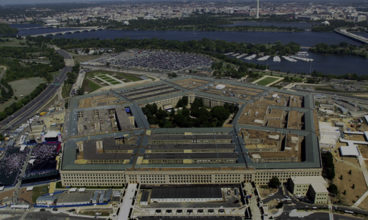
(256,213)
(126,205)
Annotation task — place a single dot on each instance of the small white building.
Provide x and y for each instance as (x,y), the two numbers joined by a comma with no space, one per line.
(349,151)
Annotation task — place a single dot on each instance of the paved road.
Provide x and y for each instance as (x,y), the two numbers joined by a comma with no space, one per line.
(23,114)
(35,215)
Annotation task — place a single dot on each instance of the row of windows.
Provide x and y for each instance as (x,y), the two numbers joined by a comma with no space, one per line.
(118,178)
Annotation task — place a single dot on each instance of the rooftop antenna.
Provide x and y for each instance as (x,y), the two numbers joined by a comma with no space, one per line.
(257,16)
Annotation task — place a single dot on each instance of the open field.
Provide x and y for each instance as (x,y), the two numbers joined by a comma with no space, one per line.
(23,87)
(84,58)
(350,186)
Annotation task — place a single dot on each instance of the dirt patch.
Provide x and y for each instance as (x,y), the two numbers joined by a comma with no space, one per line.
(364,204)
(25,196)
(265,192)
(6,195)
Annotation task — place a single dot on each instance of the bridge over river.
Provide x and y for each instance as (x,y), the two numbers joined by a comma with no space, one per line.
(64,32)
(348,34)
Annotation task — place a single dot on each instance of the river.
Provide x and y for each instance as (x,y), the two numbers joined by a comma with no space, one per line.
(330,64)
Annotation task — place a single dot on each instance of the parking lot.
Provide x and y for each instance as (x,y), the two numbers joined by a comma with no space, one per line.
(161,60)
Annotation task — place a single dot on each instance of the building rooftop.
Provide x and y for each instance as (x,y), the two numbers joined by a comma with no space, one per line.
(319,187)
(173,192)
(308,180)
(297,130)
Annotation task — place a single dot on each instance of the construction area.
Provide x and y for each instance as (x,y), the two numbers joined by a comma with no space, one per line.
(229,90)
(190,83)
(99,100)
(263,146)
(104,121)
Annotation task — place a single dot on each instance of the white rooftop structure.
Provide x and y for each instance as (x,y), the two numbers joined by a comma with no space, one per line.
(51,134)
(73,190)
(220,86)
(30,188)
(2,188)
(329,135)
(22,147)
(349,151)
(308,180)
(366,118)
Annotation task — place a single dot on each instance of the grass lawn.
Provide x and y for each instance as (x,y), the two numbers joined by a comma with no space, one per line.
(84,58)
(90,86)
(126,77)
(39,191)
(12,42)
(267,80)
(129,77)
(21,88)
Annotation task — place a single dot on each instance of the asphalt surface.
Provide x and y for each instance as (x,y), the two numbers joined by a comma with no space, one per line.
(27,111)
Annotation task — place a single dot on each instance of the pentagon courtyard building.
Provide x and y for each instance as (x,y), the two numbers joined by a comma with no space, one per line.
(110,142)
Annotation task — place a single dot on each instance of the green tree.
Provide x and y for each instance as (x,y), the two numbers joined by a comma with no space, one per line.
(333,189)
(274,182)
(328,170)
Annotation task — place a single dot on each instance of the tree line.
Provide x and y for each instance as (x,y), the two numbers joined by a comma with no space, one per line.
(12,57)
(6,30)
(19,104)
(341,49)
(213,48)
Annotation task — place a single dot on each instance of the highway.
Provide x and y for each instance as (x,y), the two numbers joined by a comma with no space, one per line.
(27,111)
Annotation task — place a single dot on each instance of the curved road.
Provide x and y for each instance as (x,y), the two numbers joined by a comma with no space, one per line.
(27,111)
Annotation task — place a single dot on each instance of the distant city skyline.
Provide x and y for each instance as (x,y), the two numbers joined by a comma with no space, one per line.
(19,2)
